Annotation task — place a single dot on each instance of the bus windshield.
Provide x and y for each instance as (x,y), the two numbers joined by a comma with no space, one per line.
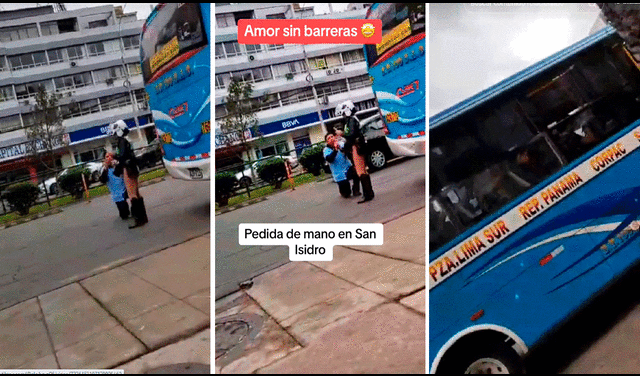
(399,21)
(174,30)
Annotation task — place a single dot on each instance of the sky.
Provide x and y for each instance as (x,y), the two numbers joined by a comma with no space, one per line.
(474,46)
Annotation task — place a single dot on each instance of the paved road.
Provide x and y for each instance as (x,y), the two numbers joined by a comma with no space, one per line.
(399,189)
(36,257)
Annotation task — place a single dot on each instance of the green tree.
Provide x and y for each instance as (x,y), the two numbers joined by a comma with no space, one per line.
(240,124)
(47,133)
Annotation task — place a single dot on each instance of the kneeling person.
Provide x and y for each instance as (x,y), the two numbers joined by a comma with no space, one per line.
(116,186)
(341,167)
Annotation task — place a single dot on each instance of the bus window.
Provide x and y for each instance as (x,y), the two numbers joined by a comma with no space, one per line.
(177,29)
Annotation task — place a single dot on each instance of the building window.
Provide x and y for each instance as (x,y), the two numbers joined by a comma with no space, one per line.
(317,63)
(109,74)
(219,51)
(24,91)
(56,56)
(6,93)
(75,52)
(351,57)
(294,67)
(68,25)
(359,82)
(95,49)
(330,88)
(140,97)
(221,111)
(3,65)
(75,109)
(10,34)
(99,23)
(333,60)
(73,82)
(242,76)
(30,60)
(277,16)
(253,48)
(134,69)
(115,101)
(131,43)
(267,101)
(49,28)
(261,74)
(274,47)
(89,155)
(225,20)
(10,123)
(222,80)
(232,49)
(296,96)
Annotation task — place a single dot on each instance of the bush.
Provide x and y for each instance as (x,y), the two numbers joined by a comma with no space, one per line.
(225,183)
(272,171)
(312,159)
(72,181)
(22,196)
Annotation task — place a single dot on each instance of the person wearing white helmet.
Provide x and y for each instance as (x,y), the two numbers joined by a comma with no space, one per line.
(355,144)
(128,166)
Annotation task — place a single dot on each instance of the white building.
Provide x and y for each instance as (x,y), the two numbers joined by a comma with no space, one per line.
(91,57)
(293,83)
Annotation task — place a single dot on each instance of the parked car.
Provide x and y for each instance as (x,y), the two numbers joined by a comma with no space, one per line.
(376,147)
(149,155)
(51,184)
(250,174)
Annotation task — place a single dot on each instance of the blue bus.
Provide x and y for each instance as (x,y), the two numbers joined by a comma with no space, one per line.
(533,204)
(397,68)
(176,67)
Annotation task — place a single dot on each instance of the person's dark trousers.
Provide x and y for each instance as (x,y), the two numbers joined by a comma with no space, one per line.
(344,188)
(351,174)
(367,189)
(138,212)
(123,209)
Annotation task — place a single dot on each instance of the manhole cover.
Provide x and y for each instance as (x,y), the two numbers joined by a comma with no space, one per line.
(233,333)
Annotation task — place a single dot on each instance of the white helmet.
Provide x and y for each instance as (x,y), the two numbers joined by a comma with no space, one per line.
(119,128)
(346,109)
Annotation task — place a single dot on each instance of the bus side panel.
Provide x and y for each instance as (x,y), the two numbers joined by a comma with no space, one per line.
(543,272)
(401,92)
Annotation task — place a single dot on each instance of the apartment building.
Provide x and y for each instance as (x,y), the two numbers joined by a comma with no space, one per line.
(296,87)
(88,56)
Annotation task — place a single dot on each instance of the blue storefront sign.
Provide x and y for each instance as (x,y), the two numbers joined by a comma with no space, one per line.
(288,124)
(101,130)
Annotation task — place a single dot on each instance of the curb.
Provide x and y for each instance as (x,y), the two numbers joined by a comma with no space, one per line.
(260,199)
(31,218)
(59,209)
(241,205)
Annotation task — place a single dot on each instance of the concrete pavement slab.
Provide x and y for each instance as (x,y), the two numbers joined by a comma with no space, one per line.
(294,287)
(182,270)
(385,276)
(124,294)
(23,336)
(386,339)
(246,337)
(194,353)
(48,362)
(101,350)
(397,279)
(72,315)
(310,323)
(201,300)
(404,238)
(416,301)
(167,323)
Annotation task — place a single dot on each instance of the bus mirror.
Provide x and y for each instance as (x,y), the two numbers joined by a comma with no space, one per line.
(436,206)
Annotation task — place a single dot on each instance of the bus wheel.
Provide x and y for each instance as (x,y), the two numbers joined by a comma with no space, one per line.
(499,359)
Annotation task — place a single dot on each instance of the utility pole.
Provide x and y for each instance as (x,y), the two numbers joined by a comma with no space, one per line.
(310,80)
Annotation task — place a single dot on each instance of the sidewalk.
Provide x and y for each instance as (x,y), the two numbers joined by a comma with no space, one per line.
(363,312)
(142,316)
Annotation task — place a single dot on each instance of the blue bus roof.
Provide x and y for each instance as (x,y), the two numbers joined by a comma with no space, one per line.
(508,83)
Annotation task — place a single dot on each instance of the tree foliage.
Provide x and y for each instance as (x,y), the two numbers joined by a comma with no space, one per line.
(47,133)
